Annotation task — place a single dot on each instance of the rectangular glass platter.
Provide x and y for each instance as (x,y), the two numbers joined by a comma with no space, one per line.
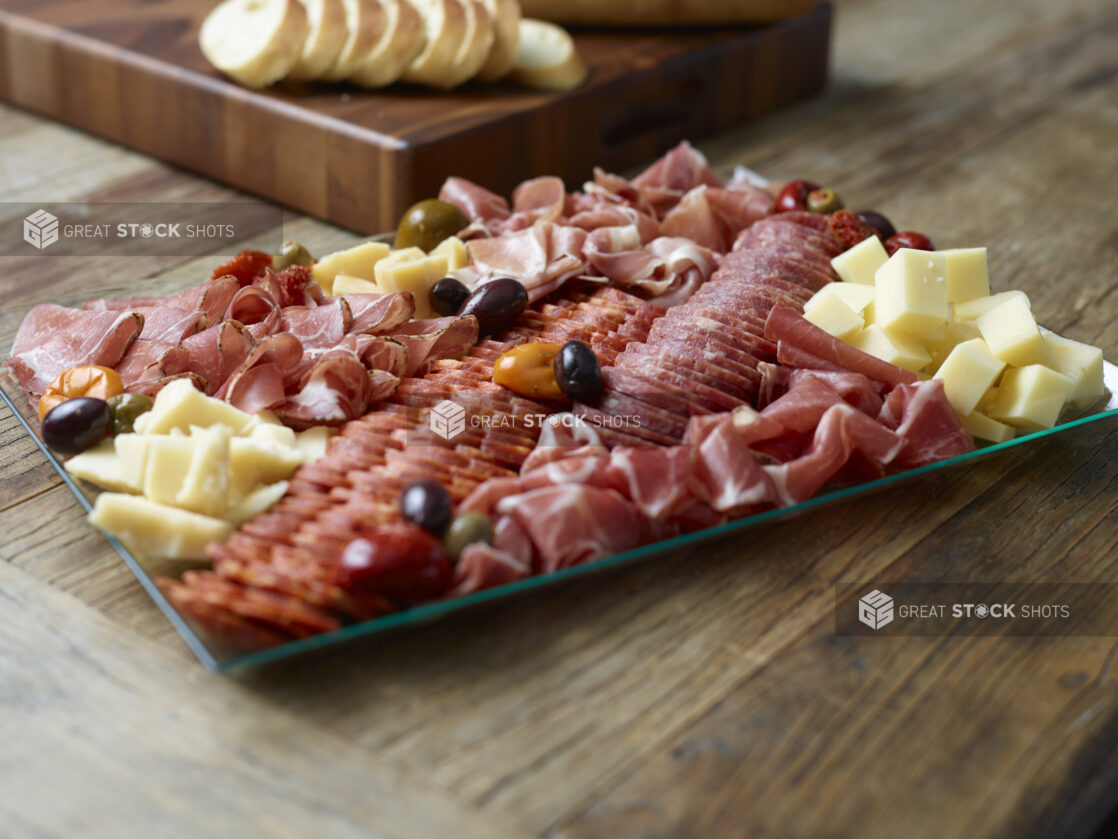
(221,661)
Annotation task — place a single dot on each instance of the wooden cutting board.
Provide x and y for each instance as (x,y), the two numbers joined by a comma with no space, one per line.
(131,71)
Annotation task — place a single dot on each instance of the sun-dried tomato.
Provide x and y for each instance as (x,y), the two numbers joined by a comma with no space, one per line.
(849,229)
(245,266)
(295,285)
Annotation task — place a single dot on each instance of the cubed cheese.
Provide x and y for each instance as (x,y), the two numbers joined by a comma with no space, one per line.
(1011,333)
(345,284)
(911,293)
(1081,363)
(860,263)
(254,462)
(940,346)
(454,249)
(256,502)
(358,261)
(156,530)
(834,317)
(101,466)
(981,426)
(902,350)
(969,370)
(854,295)
(974,309)
(1030,397)
(312,442)
(967,277)
(179,405)
(405,271)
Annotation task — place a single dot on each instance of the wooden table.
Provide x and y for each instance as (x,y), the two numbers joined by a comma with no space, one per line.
(703,695)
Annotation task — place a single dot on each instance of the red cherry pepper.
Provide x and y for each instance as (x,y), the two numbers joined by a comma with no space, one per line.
(908,239)
(794,196)
(398,561)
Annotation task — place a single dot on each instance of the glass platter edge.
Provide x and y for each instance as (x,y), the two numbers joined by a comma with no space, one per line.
(430,612)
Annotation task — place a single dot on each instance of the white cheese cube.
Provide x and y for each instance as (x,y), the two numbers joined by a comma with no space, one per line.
(854,295)
(860,263)
(902,350)
(256,502)
(911,293)
(981,426)
(411,270)
(1011,333)
(967,277)
(967,373)
(974,309)
(312,442)
(179,405)
(1081,363)
(345,284)
(358,261)
(834,317)
(255,462)
(1030,397)
(102,467)
(156,530)
(454,249)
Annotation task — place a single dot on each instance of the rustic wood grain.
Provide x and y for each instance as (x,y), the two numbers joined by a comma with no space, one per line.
(134,73)
(702,694)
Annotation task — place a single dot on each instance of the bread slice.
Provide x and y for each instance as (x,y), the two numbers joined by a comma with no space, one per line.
(365,21)
(476,45)
(445,25)
(401,42)
(547,58)
(326,36)
(506,31)
(254,42)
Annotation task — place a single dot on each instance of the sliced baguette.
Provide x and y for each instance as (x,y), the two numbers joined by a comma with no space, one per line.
(401,42)
(476,45)
(445,25)
(254,42)
(365,21)
(506,31)
(546,58)
(326,36)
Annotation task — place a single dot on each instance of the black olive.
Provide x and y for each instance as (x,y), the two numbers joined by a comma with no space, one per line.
(878,222)
(578,372)
(448,295)
(77,424)
(428,223)
(497,305)
(427,505)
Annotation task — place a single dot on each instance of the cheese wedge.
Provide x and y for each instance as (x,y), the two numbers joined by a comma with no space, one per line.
(546,58)
(326,36)
(506,39)
(157,530)
(401,42)
(255,42)
(445,27)
(365,22)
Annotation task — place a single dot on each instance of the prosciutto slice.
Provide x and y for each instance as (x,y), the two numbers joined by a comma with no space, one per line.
(258,383)
(152,361)
(336,389)
(925,420)
(483,566)
(379,313)
(432,339)
(318,327)
(476,203)
(542,257)
(217,352)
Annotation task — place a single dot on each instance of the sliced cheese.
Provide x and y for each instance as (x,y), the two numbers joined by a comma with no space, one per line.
(345,284)
(260,500)
(854,295)
(312,442)
(180,405)
(860,263)
(911,296)
(359,261)
(831,314)
(102,467)
(255,462)
(454,249)
(156,530)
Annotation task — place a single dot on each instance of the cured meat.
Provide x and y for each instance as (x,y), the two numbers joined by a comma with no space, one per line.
(217,352)
(152,361)
(379,313)
(258,383)
(476,203)
(922,416)
(255,308)
(437,338)
(542,257)
(169,324)
(54,338)
(318,327)
(337,389)
(727,474)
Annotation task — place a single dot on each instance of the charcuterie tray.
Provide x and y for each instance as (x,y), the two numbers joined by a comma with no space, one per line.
(222,661)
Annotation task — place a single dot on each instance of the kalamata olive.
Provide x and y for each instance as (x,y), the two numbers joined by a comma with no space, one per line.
(398,561)
(126,408)
(427,223)
(794,196)
(823,201)
(428,505)
(77,424)
(578,372)
(291,253)
(529,369)
(908,239)
(448,295)
(878,222)
(466,529)
(497,305)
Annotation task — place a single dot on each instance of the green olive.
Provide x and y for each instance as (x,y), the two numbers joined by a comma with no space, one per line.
(465,530)
(428,223)
(125,408)
(291,253)
(823,201)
